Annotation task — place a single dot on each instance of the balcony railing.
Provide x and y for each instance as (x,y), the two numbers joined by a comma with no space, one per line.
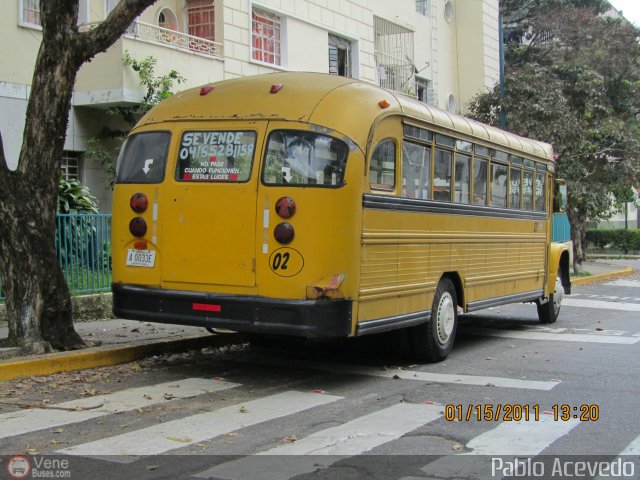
(172,38)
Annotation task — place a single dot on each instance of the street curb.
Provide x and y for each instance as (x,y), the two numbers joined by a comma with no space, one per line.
(600,277)
(108,355)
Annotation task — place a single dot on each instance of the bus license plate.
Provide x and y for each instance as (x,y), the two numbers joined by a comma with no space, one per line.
(141,258)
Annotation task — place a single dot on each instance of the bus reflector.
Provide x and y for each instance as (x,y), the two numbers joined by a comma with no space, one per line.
(140,245)
(138,227)
(206,307)
(276,87)
(285,207)
(206,89)
(139,202)
(384,104)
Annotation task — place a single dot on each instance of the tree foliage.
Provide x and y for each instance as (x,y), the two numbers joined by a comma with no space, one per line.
(579,89)
(74,197)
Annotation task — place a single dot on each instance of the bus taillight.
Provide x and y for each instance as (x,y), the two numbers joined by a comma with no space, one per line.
(138,227)
(285,207)
(139,202)
(284,233)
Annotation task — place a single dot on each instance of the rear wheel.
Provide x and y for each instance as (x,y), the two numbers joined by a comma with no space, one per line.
(432,341)
(548,312)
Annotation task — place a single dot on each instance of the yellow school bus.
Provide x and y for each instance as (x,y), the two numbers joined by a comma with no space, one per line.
(312,205)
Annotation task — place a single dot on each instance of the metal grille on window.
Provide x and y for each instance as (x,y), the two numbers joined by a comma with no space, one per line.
(266,37)
(339,56)
(394,57)
(70,165)
(201,19)
(31,11)
(422,7)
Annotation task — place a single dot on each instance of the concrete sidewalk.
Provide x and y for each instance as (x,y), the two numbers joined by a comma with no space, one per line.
(124,341)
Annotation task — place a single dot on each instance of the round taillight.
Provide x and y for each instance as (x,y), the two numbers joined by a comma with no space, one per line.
(139,202)
(283,233)
(138,227)
(285,207)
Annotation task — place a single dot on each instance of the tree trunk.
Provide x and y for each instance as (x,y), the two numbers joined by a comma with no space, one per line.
(37,297)
(38,302)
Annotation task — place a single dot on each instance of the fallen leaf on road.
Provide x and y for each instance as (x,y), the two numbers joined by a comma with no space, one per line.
(179,439)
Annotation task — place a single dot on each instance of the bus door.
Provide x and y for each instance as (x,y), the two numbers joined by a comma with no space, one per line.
(210,209)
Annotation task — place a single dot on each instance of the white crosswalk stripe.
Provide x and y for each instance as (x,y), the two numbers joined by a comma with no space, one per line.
(555,337)
(317,451)
(196,428)
(74,411)
(322,449)
(633,448)
(521,438)
(582,303)
(415,375)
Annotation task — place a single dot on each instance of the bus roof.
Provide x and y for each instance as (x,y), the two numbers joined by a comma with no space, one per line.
(346,105)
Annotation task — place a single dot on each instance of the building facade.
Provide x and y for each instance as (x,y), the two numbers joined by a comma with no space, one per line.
(443,52)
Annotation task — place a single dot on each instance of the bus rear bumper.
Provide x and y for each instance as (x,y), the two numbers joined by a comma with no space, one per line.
(242,313)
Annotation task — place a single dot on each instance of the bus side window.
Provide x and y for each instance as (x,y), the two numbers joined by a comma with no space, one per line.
(540,194)
(499,185)
(416,171)
(527,190)
(382,170)
(461,194)
(515,187)
(479,181)
(442,175)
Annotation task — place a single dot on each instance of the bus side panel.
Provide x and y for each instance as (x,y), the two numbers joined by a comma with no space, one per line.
(406,253)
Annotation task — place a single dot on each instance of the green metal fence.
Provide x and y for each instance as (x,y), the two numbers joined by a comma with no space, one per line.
(83,247)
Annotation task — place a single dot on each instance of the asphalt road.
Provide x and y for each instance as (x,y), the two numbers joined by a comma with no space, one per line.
(355,409)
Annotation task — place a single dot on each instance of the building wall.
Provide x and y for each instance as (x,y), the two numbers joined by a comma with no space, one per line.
(456,53)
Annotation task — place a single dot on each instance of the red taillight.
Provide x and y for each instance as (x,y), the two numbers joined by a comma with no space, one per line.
(138,227)
(285,207)
(139,202)
(284,233)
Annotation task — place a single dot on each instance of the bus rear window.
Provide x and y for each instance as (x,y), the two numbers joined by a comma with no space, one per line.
(304,158)
(215,156)
(143,158)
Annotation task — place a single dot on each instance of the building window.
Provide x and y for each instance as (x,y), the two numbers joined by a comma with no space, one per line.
(422,7)
(265,28)
(339,56)
(201,19)
(425,91)
(70,165)
(30,12)
(167,19)
(393,49)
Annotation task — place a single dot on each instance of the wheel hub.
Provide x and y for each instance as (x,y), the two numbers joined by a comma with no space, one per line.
(445,318)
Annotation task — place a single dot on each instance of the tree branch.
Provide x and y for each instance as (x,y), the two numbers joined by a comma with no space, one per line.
(104,35)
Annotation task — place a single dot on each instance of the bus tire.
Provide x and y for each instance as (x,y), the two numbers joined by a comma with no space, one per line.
(548,312)
(432,341)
